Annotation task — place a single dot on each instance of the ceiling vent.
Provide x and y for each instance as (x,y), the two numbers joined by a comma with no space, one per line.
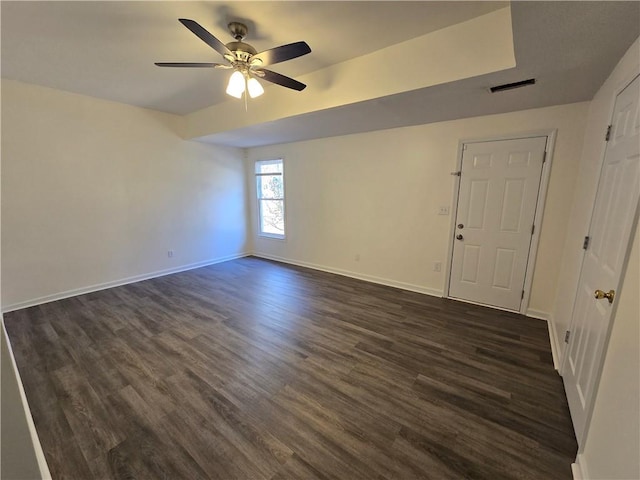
(511,86)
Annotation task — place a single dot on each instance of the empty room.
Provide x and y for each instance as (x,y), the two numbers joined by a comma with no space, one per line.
(320,240)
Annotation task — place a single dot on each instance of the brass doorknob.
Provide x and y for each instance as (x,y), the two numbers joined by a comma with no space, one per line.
(599,294)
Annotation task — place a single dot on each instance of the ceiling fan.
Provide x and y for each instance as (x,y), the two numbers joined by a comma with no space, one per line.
(245,60)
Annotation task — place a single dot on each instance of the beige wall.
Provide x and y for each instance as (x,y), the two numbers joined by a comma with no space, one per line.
(94,192)
(18,440)
(377,195)
(17,454)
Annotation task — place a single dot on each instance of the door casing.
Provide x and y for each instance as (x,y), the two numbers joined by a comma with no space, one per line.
(542,194)
(597,373)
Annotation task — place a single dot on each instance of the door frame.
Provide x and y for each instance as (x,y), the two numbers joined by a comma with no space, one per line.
(537,219)
(597,373)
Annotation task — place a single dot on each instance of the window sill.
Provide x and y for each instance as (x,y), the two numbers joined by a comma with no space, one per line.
(271,236)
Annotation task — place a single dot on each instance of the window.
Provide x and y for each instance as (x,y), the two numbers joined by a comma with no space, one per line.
(270,192)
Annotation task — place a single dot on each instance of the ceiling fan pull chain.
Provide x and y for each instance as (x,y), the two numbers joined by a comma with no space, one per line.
(246,93)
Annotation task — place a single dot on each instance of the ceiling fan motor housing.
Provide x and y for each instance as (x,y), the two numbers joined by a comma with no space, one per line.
(242,51)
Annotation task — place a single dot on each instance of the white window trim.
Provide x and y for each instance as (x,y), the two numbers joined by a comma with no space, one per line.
(272,236)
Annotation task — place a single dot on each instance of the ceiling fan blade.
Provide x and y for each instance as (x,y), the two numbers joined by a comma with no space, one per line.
(281,53)
(205,36)
(279,79)
(192,65)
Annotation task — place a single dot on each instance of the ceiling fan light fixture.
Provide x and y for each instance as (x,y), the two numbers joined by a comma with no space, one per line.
(245,60)
(254,87)
(236,84)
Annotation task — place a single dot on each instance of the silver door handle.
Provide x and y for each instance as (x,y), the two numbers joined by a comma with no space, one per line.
(459,237)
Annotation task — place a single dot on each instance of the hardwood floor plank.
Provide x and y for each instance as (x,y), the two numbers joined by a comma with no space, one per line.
(318,447)
(532,428)
(85,414)
(257,445)
(148,455)
(215,455)
(296,468)
(359,439)
(252,369)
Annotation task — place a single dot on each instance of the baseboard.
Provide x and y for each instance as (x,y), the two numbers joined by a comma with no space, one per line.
(539,314)
(553,341)
(579,469)
(360,276)
(576,471)
(555,347)
(45,474)
(116,283)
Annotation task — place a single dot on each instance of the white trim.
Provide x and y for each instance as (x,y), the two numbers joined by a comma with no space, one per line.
(535,314)
(509,136)
(538,217)
(576,471)
(360,276)
(117,283)
(603,152)
(555,346)
(599,362)
(539,314)
(579,468)
(45,474)
(255,193)
(272,236)
(539,213)
(452,220)
(473,302)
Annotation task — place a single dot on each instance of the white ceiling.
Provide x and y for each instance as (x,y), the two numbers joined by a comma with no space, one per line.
(107,50)
(569,47)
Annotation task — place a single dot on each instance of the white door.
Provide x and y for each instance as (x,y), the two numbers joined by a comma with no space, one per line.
(497,200)
(610,232)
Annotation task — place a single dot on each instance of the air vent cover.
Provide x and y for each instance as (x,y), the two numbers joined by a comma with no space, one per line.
(511,86)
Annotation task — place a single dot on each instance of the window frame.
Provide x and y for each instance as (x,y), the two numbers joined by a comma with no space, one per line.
(259,199)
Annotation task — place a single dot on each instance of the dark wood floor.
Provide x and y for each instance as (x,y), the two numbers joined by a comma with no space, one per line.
(256,370)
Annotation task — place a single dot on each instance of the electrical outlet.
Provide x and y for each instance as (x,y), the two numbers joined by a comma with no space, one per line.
(443,211)
(170,253)
(437,266)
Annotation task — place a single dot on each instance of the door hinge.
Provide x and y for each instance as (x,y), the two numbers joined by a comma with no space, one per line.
(544,156)
(567,334)
(533,229)
(585,244)
(457,174)
(608,134)
(522,296)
